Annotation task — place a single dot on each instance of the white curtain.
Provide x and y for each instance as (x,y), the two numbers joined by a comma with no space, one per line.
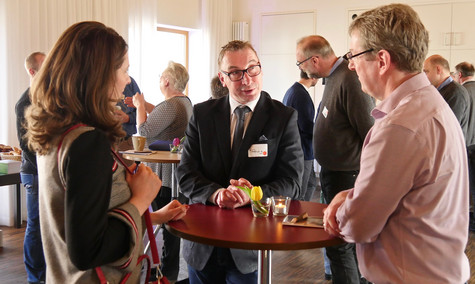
(217,30)
(27,26)
(142,26)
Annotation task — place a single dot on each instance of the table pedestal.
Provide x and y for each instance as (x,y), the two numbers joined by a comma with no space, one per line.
(174,183)
(264,270)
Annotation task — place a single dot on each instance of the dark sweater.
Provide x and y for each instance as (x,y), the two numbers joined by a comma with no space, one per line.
(342,122)
(298,98)
(28,161)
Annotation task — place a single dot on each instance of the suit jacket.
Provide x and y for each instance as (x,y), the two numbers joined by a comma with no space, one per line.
(470,87)
(457,98)
(206,163)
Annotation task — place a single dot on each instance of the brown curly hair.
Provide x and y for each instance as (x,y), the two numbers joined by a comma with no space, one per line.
(74,85)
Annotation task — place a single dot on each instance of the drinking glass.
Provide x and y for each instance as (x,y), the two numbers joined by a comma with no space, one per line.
(261,211)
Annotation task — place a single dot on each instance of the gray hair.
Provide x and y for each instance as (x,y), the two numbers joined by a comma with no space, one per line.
(177,75)
(315,45)
(397,29)
(466,69)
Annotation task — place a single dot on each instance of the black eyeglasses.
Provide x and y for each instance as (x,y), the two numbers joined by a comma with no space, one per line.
(298,63)
(237,75)
(350,56)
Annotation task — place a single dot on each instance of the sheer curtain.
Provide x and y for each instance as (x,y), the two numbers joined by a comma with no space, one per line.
(27,26)
(217,30)
(142,24)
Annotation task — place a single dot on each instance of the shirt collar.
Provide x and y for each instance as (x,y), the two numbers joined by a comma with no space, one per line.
(445,83)
(469,80)
(416,82)
(337,63)
(234,104)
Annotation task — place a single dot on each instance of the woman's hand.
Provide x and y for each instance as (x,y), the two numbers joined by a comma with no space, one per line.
(172,211)
(138,100)
(145,185)
(129,101)
(141,105)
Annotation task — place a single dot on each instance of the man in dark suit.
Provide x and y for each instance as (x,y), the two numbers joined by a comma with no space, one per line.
(464,76)
(270,156)
(437,70)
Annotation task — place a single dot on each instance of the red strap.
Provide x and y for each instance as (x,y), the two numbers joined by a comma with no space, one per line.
(148,220)
(151,237)
(66,133)
(139,260)
(101,276)
(103,279)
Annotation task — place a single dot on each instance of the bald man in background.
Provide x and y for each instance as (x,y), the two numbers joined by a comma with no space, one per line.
(437,70)
(463,74)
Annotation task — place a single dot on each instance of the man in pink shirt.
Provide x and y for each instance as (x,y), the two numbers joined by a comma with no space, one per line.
(408,211)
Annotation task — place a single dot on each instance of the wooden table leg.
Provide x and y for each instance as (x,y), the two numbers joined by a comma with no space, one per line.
(264,268)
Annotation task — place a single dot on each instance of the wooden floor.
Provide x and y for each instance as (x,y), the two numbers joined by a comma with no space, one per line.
(288,267)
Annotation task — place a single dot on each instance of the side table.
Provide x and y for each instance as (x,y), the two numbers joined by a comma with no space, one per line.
(10,179)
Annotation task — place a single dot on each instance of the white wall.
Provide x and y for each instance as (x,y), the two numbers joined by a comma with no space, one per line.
(332,21)
(180,13)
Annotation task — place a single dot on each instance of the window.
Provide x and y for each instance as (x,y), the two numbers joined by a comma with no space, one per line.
(172,46)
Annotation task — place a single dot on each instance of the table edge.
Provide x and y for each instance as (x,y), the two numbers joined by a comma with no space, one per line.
(252,246)
(148,159)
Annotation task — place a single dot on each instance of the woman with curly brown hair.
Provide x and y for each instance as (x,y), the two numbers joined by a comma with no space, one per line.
(90,208)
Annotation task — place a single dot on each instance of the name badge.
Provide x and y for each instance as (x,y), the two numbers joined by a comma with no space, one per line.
(257,150)
(325,112)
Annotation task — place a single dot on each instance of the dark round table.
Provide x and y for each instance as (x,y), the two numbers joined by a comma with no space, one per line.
(239,229)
